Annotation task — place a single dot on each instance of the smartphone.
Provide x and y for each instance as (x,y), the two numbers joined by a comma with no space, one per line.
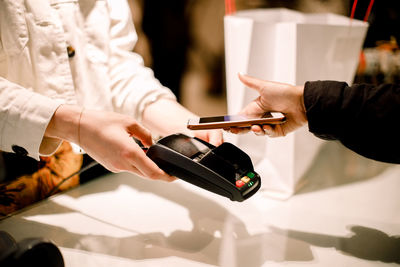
(227,121)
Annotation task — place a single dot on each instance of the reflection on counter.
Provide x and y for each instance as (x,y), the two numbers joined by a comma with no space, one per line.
(121,219)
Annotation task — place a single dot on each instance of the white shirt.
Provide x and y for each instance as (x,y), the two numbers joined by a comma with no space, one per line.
(36,74)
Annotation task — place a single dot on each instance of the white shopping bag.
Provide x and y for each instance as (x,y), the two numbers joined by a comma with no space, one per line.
(291,47)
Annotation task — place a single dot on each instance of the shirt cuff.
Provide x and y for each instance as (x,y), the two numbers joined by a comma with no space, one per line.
(26,122)
(322,101)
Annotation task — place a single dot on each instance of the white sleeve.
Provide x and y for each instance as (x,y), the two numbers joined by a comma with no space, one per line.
(133,85)
(24,116)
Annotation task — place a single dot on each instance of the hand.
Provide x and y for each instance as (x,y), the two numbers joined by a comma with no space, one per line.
(107,137)
(274,96)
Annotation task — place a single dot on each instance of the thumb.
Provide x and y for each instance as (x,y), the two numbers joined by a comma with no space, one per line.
(138,131)
(251,82)
(259,84)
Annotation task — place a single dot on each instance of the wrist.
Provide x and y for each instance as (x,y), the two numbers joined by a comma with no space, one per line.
(163,110)
(300,96)
(65,123)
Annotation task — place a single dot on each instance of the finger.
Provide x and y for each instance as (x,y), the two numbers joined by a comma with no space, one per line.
(253,109)
(274,130)
(256,83)
(257,130)
(250,81)
(148,168)
(138,131)
(202,134)
(239,130)
(279,129)
(259,84)
(133,169)
(216,138)
(268,130)
(164,177)
(121,168)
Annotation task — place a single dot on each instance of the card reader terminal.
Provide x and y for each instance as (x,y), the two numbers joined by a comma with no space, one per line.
(225,170)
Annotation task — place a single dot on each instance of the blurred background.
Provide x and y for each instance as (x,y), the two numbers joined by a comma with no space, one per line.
(183,42)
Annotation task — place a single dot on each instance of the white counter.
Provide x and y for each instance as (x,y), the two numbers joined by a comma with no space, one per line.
(123,220)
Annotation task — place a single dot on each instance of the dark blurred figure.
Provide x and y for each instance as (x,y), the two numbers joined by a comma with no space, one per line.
(384,20)
(166,25)
(380,61)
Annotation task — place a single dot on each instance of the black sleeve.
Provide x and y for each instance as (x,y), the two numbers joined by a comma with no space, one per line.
(365,118)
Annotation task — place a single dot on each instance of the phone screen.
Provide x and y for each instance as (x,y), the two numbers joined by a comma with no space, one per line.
(230,118)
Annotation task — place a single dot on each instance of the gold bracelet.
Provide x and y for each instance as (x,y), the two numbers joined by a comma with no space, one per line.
(79,128)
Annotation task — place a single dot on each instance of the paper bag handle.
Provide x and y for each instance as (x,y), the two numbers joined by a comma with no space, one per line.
(230,7)
(353,9)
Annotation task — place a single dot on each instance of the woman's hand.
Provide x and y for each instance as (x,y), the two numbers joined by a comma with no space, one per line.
(107,138)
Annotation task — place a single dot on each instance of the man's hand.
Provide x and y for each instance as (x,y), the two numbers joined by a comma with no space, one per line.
(274,96)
